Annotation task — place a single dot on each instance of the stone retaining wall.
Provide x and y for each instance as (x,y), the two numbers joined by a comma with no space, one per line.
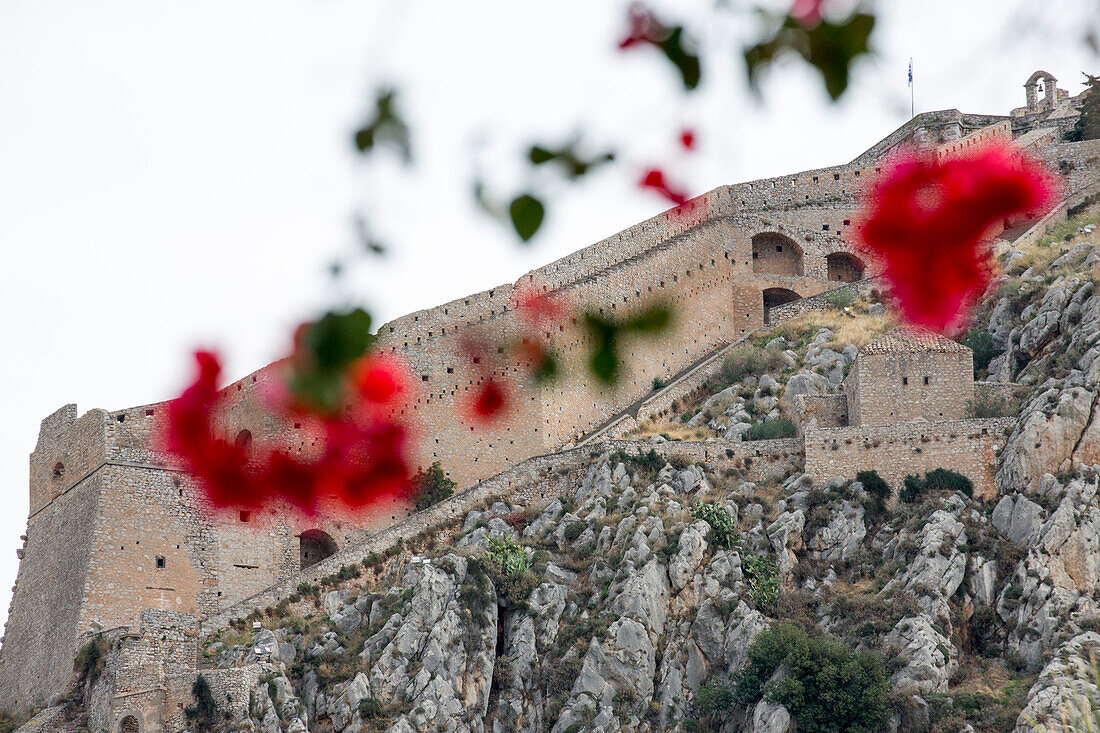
(895,451)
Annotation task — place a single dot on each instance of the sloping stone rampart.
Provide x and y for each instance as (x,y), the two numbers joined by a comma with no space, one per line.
(532,484)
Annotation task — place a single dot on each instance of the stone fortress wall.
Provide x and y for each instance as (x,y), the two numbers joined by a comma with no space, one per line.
(969,447)
(725,262)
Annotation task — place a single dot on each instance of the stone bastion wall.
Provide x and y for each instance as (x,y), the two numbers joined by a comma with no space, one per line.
(969,447)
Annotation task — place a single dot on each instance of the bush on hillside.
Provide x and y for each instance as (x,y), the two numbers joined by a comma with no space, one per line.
(746,360)
(940,479)
(980,341)
(432,486)
(781,428)
(986,404)
(840,298)
(510,571)
(874,484)
(204,713)
(828,687)
(723,530)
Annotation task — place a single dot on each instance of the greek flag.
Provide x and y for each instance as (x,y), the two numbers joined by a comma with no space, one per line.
(910,72)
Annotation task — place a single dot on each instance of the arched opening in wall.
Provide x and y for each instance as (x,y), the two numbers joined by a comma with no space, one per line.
(129,724)
(777,296)
(244,439)
(844,267)
(776,254)
(314,545)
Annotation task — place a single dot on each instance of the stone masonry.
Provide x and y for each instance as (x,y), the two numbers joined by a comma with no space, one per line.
(115,536)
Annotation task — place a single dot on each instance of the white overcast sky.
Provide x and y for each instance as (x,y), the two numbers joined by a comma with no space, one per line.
(175,174)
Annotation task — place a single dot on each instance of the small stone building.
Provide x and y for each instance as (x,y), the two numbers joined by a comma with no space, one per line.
(903,410)
(909,375)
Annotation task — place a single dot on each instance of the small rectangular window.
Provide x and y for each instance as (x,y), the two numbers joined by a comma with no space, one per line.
(926,380)
(160,563)
(905,380)
(779,248)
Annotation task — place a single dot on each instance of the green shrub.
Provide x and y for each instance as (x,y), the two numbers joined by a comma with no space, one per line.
(649,462)
(781,428)
(874,484)
(723,530)
(840,298)
(747,359)
(828,687)
(90,659)
(574,530)
(714,701)
(658,383)
(943,479)
(511,573)
(912,487)
(989,404)
(370,708)
(940,479)
(204,713)
(762,576)
(432,486)
(980,341)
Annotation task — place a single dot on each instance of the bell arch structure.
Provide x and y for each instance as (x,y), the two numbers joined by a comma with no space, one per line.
(1050,88)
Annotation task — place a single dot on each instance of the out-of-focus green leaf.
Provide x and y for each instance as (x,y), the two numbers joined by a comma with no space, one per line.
(568,158)
(366,239)
(675,47)
(655,319)
(546,370)
(831,48)
(384,126)
(338,339)
(326,349)
(539,154)
(527,214)
(604,361)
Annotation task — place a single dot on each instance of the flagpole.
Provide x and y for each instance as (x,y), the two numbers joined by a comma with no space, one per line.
(912,102)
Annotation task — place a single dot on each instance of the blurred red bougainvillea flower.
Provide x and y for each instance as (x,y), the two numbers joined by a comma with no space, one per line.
(644,28)
(490,403)
(490,398)
(687,139)
(357,457)
(654,179)
(927,222)
(808,13)
(537,309)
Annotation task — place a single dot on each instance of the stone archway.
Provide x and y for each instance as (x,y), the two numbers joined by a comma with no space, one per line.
(844,267)
(314,545)
(776,254)
(129,724)
(777,296)
(1050,87)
